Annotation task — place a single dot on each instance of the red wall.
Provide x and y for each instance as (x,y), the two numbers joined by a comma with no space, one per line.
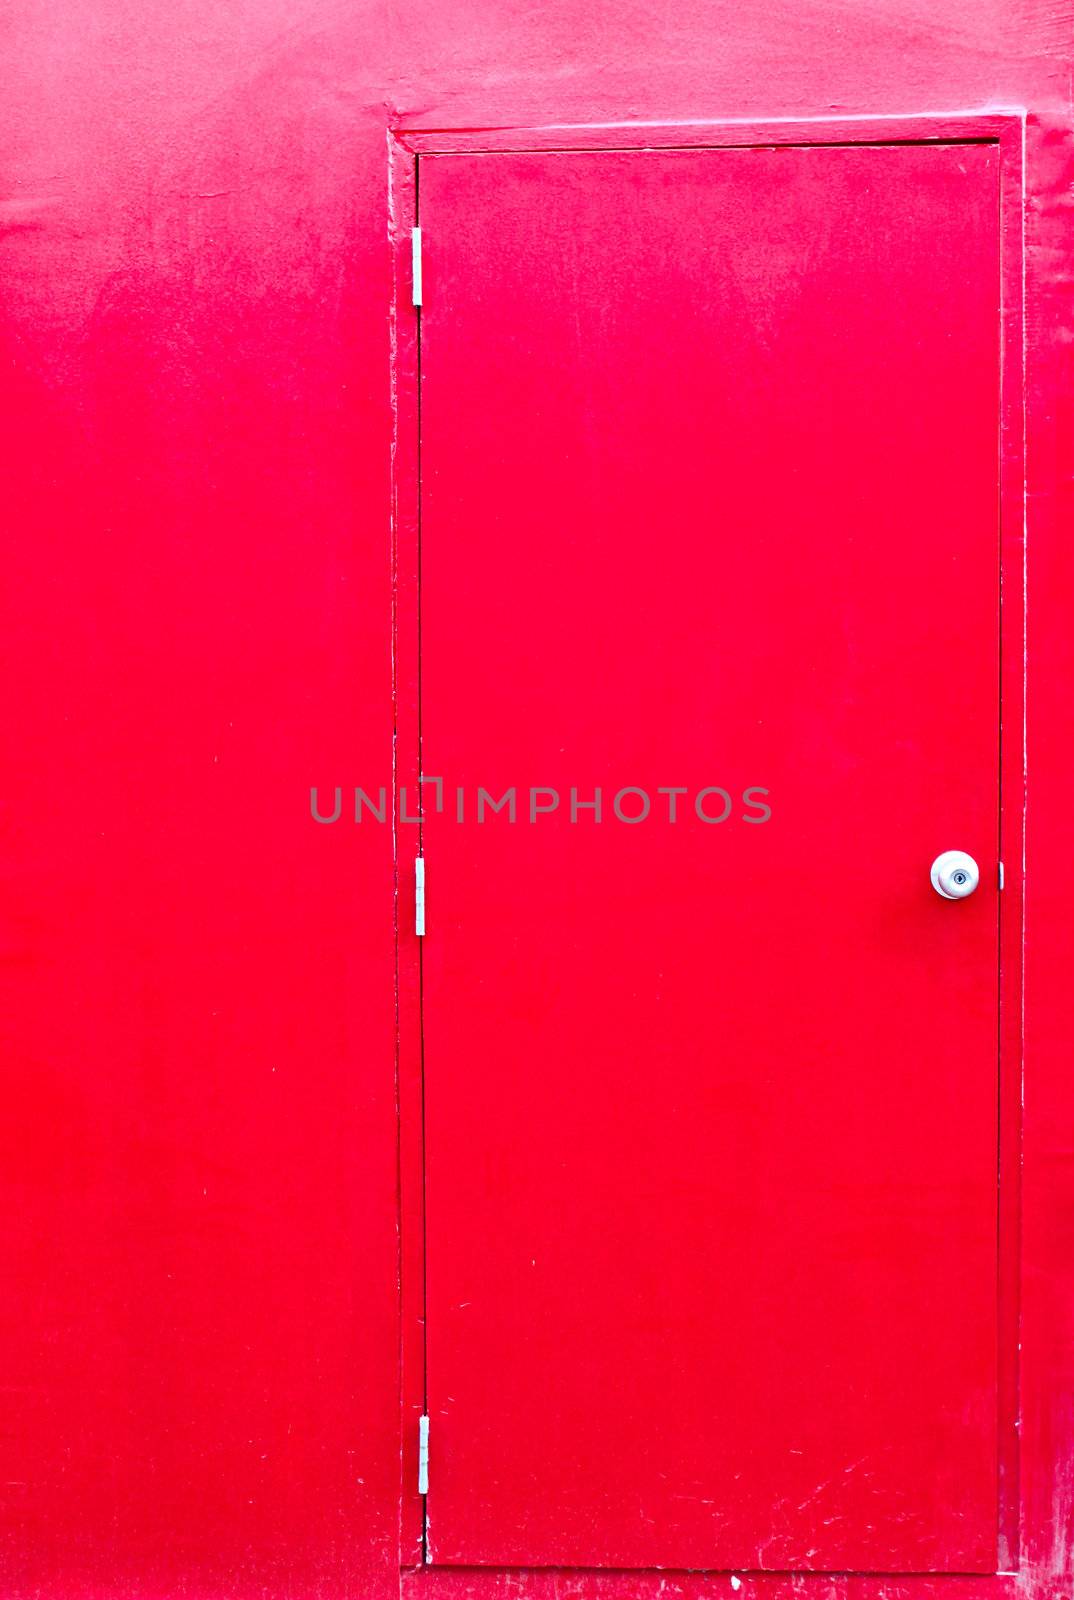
(199,1328)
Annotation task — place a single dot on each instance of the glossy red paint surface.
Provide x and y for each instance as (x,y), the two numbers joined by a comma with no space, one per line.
(201,1322)
(709,498)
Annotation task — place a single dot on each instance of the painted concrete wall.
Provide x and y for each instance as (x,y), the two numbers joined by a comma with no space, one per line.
(199,1327)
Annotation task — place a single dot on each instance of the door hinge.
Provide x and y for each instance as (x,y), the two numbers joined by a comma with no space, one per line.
(423,1455)
(1001,877)
(419,897)
(415,265)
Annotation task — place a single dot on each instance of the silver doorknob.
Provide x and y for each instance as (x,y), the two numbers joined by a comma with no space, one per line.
(954,874)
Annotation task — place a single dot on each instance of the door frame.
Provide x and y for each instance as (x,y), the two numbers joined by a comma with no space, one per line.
(1019,1371)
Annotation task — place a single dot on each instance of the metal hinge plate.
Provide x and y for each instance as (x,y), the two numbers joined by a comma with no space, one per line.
(415,265)
(419,897)
(423,1455)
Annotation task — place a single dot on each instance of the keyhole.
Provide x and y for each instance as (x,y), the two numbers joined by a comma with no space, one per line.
(960,877)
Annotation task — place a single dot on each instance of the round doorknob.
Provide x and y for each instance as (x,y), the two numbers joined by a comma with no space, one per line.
(954,874)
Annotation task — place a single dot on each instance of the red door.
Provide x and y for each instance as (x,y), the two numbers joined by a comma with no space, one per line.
(709,505)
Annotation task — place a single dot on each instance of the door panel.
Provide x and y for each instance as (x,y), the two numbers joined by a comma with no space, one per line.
(709,499)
